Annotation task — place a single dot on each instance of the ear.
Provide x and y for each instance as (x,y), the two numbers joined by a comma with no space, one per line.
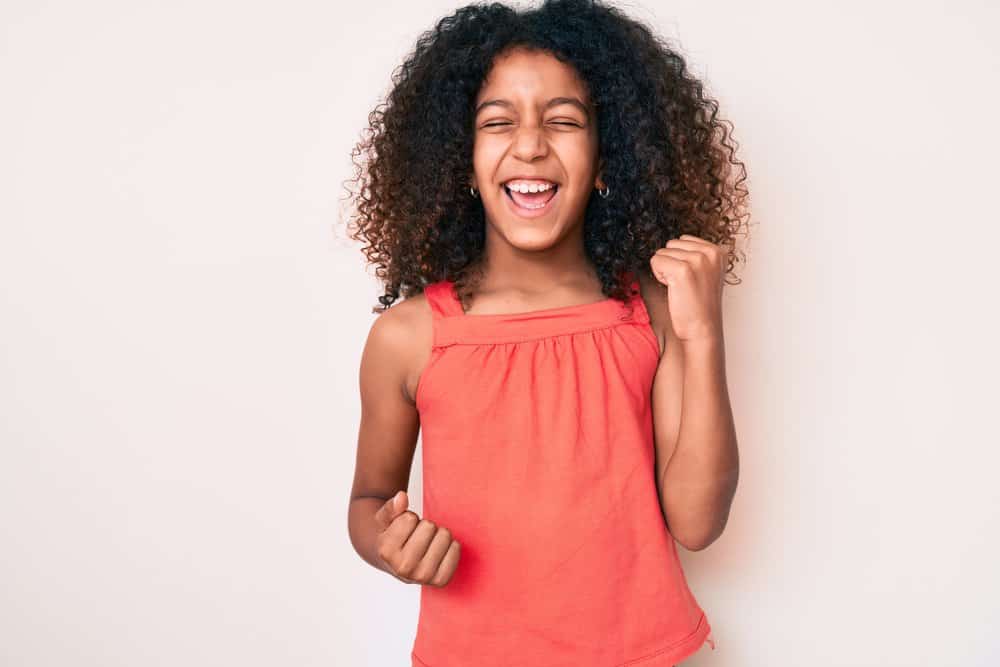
(599,179)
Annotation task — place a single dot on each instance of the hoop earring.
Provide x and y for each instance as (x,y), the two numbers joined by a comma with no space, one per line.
(472,191)
(605,192)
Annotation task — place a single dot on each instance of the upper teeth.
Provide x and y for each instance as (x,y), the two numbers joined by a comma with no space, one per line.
(530,187)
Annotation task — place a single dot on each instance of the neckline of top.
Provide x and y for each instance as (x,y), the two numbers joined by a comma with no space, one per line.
(540,311)
(453,325)
(457,311)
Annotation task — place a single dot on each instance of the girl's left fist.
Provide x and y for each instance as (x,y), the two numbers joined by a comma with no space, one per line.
(693,270)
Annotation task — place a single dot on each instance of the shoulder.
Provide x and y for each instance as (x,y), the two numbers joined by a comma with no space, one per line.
(400,339)
(396,322)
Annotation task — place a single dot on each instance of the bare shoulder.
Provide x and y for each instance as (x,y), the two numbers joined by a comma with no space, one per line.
(400,339)
(654,295)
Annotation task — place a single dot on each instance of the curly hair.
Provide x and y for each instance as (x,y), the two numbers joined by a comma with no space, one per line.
(668,156)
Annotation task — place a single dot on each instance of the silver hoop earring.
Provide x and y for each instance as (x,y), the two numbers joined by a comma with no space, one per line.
(472,191)
(605,192)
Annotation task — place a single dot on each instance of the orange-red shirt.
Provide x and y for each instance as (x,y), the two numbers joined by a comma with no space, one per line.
(538,456)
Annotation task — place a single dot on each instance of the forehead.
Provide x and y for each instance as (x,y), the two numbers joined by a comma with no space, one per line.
(529,74)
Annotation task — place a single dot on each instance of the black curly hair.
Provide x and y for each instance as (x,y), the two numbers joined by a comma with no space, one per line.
(668,157)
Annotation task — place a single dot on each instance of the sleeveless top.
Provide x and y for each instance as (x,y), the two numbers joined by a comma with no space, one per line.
(538,457)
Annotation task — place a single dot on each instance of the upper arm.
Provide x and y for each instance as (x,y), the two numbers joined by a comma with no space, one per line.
(668,382)
(389,426)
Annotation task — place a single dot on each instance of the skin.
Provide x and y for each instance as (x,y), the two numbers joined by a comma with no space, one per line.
(539,263)
(697,457)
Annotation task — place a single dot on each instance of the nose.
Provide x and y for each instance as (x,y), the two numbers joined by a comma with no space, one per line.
(529,143)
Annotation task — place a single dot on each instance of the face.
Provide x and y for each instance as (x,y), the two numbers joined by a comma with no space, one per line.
(535,128)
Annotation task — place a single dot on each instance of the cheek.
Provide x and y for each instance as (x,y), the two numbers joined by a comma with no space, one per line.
(485,156)
(579,160)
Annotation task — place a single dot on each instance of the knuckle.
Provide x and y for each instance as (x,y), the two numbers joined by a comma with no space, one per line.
(405,568)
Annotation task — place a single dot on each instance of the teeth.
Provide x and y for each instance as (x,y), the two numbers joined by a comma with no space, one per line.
(530,187)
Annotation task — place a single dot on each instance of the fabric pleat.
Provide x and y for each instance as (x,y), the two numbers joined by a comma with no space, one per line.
(538,456)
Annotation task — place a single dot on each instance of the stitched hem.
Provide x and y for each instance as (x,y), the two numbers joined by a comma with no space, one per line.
(667,656)
(679,650)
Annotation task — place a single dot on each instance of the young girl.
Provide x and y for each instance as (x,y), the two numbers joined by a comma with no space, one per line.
(550,191)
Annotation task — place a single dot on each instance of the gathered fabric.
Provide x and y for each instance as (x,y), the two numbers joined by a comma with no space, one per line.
(538,456)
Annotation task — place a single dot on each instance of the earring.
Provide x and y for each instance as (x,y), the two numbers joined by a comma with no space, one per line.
(472,191)
(605,192)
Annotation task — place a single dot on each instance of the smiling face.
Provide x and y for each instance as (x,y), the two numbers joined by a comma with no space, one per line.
(535,152)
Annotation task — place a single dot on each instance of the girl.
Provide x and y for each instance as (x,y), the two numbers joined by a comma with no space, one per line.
(550,191)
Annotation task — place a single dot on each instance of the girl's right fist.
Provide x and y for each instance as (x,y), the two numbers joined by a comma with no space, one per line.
(414,550)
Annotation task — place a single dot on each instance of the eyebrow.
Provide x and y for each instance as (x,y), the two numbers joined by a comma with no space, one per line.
(554,102)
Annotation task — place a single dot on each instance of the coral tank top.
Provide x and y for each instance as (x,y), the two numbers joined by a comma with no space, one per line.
(538,456)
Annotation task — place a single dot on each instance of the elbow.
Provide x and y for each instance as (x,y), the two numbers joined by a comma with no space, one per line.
(695,543)
(696,530)
(698,540)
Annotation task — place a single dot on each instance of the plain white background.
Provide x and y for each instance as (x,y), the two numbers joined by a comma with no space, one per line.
(182,317)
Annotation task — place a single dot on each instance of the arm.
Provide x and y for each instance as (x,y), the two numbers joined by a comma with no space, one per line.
(389,422)
(697,462)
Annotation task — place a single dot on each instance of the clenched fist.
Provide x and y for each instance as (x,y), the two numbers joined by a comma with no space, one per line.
(414,550)
(693,270)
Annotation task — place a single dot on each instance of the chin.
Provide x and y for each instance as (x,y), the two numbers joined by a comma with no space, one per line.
(530,234)
(532,240)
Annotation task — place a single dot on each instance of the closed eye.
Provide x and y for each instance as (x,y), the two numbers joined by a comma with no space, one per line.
(555,122)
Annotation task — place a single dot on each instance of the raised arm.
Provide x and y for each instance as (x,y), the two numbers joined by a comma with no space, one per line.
(697,462)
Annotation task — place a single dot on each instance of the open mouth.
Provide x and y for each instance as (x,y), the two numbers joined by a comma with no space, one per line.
(531,204)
